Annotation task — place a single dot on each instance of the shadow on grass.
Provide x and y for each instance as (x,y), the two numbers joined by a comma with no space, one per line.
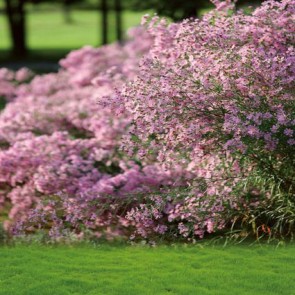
(39,60)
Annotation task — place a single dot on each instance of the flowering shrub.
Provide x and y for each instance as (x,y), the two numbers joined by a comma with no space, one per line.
(222,88)
(230,76)
(195,137)
(56,138)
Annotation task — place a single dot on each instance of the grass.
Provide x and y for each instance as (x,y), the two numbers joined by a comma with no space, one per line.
(50,38)
(129,270)
(47,29)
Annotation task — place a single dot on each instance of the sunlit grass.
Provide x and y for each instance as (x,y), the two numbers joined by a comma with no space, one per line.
(49,38)
(141,270)
(48,30)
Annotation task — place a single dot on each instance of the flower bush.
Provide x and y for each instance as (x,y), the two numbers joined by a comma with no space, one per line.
(186,130)
(55,137)
(222,89)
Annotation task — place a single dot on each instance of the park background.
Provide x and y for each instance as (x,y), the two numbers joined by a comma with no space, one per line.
(51,29)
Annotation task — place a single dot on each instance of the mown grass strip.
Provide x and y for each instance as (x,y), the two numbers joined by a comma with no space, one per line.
(140,270)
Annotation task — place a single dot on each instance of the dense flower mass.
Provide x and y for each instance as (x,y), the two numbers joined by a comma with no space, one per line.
(185,130)
(10,80)
(54,135)
(217,96)
(219,75)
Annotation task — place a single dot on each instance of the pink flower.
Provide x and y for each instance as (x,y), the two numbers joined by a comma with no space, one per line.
(288,132)
(210,226)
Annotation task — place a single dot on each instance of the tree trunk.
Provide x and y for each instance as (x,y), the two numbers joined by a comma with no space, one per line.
(118,10)
(66,9)
(16,18)
(104,24)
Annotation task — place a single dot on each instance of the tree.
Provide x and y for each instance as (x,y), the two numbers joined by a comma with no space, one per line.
(16,15)
(119,27)
(104,21)
(105,8)
(66,8)
(17,25)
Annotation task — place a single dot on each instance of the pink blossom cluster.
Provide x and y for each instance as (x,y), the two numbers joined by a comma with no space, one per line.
(10,80)
(219,82)
(68,100)
(56,137)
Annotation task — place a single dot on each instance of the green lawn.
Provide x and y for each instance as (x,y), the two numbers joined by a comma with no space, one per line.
(50,38)
(47,30)
(129,270)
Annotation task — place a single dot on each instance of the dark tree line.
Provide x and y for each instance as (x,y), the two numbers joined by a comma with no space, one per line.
(175,9)
(178,9)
